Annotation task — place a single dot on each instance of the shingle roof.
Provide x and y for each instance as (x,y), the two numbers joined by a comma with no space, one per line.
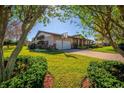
(57,34)
(52,33)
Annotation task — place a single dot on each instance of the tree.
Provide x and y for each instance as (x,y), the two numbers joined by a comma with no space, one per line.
(27,15)
(13,32)
(5,12)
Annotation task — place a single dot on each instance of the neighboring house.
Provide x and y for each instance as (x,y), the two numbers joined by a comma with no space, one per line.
(102,42)
(58,41)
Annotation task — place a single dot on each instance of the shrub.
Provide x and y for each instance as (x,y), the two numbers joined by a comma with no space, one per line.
(32,77)
(99,45)
(51,47)
(38,50)
(105,74)
(82,47)
(32,46)
(121,46)
(93,46)
(10,42)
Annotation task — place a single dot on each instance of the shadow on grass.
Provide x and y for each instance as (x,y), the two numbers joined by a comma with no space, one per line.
(52,52)
(69,55)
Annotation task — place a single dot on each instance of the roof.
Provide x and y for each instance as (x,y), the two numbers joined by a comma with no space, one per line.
(50,33)
(58,34)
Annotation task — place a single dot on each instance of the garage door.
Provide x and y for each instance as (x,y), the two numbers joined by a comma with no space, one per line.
(65,45)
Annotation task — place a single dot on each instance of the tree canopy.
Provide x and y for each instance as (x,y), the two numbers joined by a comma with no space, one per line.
(106,20)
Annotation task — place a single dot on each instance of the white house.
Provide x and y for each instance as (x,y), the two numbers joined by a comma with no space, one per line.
(45,39)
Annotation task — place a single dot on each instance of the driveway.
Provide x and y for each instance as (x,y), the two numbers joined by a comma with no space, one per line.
(101,55)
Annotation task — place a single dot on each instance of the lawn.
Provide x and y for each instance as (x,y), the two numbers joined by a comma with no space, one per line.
(68,69)
(107,49)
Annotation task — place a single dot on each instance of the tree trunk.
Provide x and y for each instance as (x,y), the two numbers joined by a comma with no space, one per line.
(15,53)
(3,25)
(1,62)
(1,42)
(12,59)
(115,46)
(120,52)
(2,34)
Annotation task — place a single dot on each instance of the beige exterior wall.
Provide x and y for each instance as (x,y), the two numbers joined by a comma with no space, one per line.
(65,39)
(52,38)
(47,37)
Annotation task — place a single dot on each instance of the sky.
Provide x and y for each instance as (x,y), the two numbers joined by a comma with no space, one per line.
(57,26)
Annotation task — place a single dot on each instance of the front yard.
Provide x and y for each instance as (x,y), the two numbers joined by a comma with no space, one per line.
(67,69)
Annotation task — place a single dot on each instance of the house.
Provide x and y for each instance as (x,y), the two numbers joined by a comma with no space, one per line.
(45,39)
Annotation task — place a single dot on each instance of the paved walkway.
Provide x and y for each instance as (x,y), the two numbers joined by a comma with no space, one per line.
(101,55)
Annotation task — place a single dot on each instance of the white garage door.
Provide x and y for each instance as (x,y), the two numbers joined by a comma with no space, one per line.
(65,45)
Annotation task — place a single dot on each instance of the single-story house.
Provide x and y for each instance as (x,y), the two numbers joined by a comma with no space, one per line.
(45,39)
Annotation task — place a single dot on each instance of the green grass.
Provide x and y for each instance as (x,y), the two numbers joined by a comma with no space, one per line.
(107,49)
(68,70)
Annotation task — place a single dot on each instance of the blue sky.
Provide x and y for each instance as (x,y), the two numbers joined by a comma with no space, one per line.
(56,26)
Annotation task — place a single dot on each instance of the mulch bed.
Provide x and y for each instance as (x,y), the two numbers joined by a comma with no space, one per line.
(85,83)
(48,80)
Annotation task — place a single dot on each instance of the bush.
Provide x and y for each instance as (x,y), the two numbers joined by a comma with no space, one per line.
(106,74)
(82,47)
(31,46)
(93,46)
(32,77)
(121,46)
(99,45)
(10,42)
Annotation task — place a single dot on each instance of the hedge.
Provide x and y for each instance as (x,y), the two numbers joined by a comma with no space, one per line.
(32,77)
(106,74)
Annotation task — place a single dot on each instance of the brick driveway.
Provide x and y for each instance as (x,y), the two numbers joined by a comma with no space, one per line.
(101,55)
